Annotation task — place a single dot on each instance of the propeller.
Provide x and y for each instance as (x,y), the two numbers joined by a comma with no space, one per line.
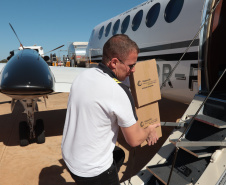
(16,36)
(23,46)
(55,49)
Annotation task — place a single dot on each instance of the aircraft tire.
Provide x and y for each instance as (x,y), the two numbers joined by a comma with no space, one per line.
(24,133)
(40,131)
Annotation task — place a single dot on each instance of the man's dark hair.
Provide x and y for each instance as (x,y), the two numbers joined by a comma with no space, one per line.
(119,46)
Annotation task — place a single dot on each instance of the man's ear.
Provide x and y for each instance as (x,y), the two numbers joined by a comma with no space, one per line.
(112,63)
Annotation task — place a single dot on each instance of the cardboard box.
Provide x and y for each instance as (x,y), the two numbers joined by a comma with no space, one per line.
(148,115)
(144,83)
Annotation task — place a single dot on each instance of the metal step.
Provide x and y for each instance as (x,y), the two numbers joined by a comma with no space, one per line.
(215,108)
(199,152)
(162,172)
(202,139)
(187,169)
(211,121)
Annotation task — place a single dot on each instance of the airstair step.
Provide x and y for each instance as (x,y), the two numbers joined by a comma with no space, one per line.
(187,169)
(162,172)
(202,132)
(215,108)
(199,152)
(211,121)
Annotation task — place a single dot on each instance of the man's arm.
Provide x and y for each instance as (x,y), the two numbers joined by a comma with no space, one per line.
(135,135)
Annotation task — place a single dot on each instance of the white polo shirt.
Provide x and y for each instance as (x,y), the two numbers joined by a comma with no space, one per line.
(97,106)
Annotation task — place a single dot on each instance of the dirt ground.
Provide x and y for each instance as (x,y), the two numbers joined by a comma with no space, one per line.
(42,164)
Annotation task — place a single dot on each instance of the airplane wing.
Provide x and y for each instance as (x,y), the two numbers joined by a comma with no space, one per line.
(64,77)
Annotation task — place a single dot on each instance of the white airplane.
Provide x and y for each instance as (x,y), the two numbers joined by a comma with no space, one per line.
(25,78)
(163,30)
(39,81)
(195,151)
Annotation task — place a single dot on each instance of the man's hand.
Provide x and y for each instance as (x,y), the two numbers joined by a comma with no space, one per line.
(152,136)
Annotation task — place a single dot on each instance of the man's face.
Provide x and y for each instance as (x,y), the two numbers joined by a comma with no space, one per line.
(126,67)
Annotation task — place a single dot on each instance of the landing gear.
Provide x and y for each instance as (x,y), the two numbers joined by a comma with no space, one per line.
(29,131)
(39,131)
(23,133)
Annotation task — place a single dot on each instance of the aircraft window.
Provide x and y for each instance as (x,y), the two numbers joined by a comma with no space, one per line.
(152,15)
(101,32)
(125,24)
(137,20)
(173,10)
(107,29)
(115,27)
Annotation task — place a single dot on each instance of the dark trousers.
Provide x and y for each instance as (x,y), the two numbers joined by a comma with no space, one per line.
(108,177)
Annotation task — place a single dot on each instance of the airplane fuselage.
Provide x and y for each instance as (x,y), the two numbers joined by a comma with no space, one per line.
(163,30)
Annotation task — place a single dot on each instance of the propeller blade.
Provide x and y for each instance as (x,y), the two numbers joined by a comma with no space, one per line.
(16,36)
(55,49)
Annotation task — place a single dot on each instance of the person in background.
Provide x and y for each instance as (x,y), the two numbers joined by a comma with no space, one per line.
(99,104)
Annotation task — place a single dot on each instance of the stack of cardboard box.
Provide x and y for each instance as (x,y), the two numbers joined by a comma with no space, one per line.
(144,85)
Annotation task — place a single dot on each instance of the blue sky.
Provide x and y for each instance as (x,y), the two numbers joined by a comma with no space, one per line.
(52,23)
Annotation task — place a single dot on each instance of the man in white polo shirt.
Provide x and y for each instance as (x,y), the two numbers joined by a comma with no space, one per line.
(98,105)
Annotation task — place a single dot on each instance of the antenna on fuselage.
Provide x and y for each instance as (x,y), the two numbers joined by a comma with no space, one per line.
(16,36)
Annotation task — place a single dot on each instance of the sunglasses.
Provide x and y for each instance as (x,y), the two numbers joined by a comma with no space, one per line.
(130,66)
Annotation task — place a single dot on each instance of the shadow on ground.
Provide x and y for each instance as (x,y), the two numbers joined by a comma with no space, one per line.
(9,124)
(52,175)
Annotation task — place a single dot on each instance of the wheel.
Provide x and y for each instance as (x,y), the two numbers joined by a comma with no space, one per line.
(39,131)
(24,133)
